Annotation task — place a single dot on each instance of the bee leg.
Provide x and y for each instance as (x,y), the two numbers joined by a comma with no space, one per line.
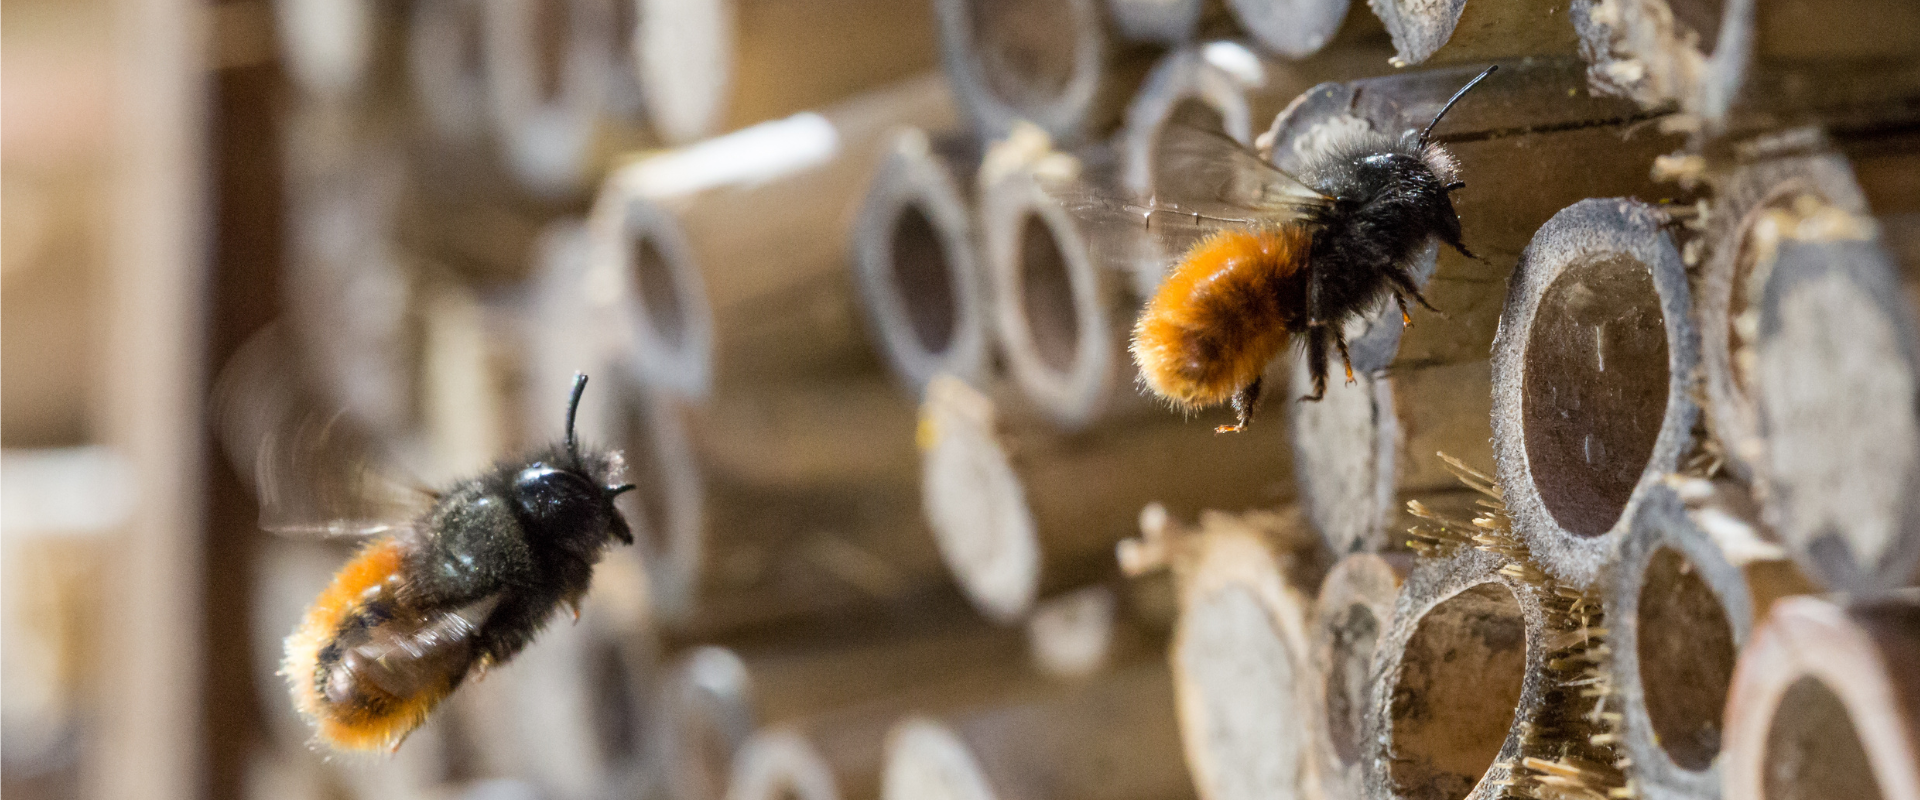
(1404,284)
(1316,360)
(1340,341)
(1406,320)
(1244,401)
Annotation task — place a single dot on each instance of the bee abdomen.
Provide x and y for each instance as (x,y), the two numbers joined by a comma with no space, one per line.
(1227,310)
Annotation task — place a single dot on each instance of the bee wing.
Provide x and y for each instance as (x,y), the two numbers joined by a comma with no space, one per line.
(313,470)
(1203,170)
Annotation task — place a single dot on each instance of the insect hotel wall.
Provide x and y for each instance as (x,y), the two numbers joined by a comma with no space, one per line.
(880,406)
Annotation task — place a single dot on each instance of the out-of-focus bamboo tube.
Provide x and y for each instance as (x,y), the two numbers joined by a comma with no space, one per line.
(447,73)
(1044,744)
(779,764)
(1241,659)
(1020,512)
(548,68)
(704,713)
(1592,372)
(1168,22)
(1454,31)
(1051,63)
(1301,29)
(915,264)
(1352,612)
(706,67)
(1654,51)
(1681,600)
(1823,703)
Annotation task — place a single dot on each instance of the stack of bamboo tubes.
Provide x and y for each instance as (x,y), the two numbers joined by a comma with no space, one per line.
(907,528)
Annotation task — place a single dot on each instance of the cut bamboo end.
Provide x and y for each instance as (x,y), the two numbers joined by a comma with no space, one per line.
(780,764)
(916,268)
(1728,288)
(1592,369)
(1346,451)
(451,84)
(546,108)
(1047,62)
(1459,676)
(1168,22)
(1353,612)
(685,55)
(1072,635)
(1678,610)
(1837,389)
(1454,31)
(326,46)
(1822,703)
(1292,28)
(1054,309)
(1241,670)
(976,502)
(705,716)
(643,256)
(1653,51)
(927,761)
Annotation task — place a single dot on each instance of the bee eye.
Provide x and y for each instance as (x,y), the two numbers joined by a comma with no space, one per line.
(558,502)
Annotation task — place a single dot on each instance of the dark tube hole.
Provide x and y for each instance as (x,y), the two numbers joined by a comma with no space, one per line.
(1046,293)
(1459,684)
(1700,18)
(1686,659)
(1026,47)
(1354,639)
(924,279)
(1813,752)
(654,280)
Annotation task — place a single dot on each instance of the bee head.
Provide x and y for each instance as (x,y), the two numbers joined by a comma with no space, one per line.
(567,502)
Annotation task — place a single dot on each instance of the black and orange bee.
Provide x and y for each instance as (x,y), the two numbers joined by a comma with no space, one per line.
(461,588)
(1283,255)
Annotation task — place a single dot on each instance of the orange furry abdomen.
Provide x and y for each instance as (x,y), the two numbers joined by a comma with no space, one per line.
(357,587)
(1228,308)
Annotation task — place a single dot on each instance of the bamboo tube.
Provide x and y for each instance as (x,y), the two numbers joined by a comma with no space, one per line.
(642,263)
(1037,745)
(1823,703)
(1166,22)
(1050,63)
(1458,31)
(1352,612)
(1301,29)
(1680,603)
(1600,289)
(778,764)
(447,73)
(1727,289)
(1834,372)
(1019,513)
(548,68)
(915,265)
(1653,51)
(711,66)
(705,715)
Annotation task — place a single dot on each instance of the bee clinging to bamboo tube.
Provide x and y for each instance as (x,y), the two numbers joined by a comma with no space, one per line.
(1278,255)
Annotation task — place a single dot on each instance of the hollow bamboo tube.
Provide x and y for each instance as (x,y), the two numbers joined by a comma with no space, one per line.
(1038,745)
(1653,51)
(1592,374)
(1836,382)
(704,715)
(548,68)
(446,72)
(778,764)
(1457,31)
(706,67)
(1681,602)
(914,261)
(1302,29)
(777,292)
(1052,63)
(1166,22)
(1527,140)
(1352,612)
(1823,703)
(1020,512)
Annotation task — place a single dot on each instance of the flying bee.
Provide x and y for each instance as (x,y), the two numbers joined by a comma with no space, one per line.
(1282,255)
(462,587)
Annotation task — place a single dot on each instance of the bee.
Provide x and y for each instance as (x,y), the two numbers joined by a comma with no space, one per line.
(461,588)
(1281,255)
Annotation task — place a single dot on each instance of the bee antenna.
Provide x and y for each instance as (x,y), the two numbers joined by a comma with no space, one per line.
(573,408)
(1455,99)
(620,490)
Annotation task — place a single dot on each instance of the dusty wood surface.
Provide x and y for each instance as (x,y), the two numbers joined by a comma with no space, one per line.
(1592,375)
(1778,64)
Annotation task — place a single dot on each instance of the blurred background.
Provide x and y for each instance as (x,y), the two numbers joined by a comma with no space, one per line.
(870,379)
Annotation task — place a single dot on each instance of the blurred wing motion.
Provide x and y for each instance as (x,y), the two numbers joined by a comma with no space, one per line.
(365,665)
(312,469)
(1206,182)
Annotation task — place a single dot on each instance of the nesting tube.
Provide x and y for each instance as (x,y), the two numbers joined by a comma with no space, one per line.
(1823,703)
(1728,289)
(1458,676)
(451,84)
(1837,389)
(1592,373)
(1454,31)
(1052,63)
(780,764)
(1020,511)
(546,109)
(1112,736)
(1243,674)
(1298,29)
(705,714)
(642,255)
(1653,51)
(1168,22)
(1351,615)
(915,265)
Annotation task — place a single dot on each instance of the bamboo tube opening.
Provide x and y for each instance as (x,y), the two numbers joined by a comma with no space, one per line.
(648,254)
(926,761)
(654,278)
(1686,654)
(1038,60)
(1357,635)
(1453,702)
(666,510)
(1019,46)
(1595,390)
(976,503)
(706,717)
(1351,616)
(916,267)
(1591,368)
(1814,750)
(780,764)
(1183,90)
(1047,298)
(1230,655)
(547,65)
